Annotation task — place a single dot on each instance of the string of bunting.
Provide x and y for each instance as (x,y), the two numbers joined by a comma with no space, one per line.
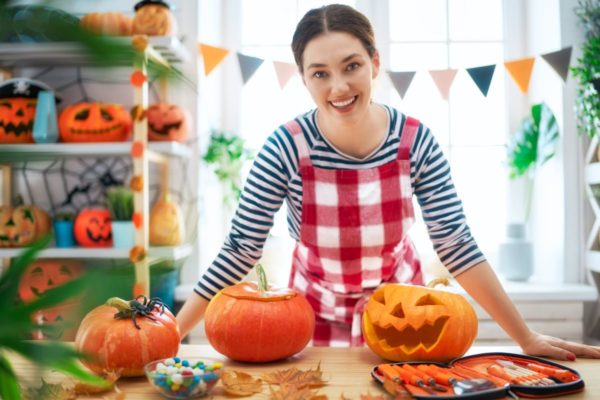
(520,70)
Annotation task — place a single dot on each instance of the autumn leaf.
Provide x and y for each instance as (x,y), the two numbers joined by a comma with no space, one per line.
(49,391)
(291,392)
(85,388)
(239,383)
(371,397)
(281,377)
(296,377)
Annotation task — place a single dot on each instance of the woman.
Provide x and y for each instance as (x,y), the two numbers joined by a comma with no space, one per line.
(348,170)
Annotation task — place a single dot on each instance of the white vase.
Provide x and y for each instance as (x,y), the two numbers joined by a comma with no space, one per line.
(123,234)
(516,254)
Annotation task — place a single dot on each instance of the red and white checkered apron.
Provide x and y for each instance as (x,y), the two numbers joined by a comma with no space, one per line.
(352,238)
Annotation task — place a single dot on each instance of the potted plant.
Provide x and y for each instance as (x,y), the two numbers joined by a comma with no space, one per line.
(530,147)
(63,229)
(119,200)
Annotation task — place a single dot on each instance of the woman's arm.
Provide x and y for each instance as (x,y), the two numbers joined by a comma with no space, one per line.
(481,283)
(191,313)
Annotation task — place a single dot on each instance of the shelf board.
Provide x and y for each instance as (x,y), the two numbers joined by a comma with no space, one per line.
(154,253)
(38,151)
(70,53)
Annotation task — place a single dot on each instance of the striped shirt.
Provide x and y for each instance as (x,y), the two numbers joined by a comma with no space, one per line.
(274,178)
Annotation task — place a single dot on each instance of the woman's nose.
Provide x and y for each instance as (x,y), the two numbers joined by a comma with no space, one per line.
(339,85)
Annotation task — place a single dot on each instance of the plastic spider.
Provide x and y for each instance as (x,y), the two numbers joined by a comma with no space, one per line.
(143,308)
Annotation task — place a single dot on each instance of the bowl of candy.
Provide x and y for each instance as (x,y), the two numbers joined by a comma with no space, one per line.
(177,378)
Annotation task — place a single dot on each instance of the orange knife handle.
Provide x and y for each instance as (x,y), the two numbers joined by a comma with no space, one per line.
(439,377)
(498,371)
(388,371)
(559,373)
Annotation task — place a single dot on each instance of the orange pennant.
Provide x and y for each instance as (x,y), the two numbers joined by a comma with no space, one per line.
(284,72)
(443,80)
(520,71)
(212,56)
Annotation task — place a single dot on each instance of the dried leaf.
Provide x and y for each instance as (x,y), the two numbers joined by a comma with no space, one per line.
(291,392)
(320,397)
(239,383)
(371,397)
(296,377)
(342,397)
(49,391)
(281,377)
(109,376)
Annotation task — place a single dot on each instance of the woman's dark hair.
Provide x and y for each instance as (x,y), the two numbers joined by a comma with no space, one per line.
(332,18)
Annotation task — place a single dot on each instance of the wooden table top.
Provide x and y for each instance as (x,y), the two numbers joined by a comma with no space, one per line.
(347,372)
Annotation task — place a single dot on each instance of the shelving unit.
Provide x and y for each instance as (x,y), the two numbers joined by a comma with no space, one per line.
(592,177)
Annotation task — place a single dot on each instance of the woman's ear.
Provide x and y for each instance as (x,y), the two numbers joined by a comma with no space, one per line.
(376,62)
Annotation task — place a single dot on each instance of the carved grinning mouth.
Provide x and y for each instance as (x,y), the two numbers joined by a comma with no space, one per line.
(166,128)
(18,129)
(100,131)
(410,338)
(98,238)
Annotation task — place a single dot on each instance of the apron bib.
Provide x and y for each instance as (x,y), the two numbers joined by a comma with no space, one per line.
(352,238)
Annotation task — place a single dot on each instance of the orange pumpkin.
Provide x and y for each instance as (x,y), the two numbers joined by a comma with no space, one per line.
(108,23)
(247,324)
(409,323)
(166,223)
(16,120)
(94,122)
(119,336)
(42,275)
(22,225)
(154,18)
(65,318)
(93,228)
(167,122)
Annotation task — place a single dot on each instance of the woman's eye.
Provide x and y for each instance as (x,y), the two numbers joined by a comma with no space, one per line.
(352,66)
(320,74)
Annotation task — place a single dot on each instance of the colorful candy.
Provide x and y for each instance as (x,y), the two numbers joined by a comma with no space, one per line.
(182,379)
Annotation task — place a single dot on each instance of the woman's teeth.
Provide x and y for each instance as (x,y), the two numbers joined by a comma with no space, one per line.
(343,103)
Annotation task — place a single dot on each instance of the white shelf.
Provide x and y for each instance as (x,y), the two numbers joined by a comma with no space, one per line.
(36,151)
(154,253)
(70,54)
(592,260)
(592,173)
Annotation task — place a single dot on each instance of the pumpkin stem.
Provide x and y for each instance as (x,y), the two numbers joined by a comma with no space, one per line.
(263,285)
(118,303)
(438,281)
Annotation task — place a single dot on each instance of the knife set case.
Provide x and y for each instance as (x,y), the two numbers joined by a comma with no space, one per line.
(479,376)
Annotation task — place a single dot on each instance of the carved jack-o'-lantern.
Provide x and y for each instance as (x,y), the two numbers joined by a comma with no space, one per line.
(94,122)
(22,225)
(167,122)
(66,319)
(154,18)
(93,228)
(406,323)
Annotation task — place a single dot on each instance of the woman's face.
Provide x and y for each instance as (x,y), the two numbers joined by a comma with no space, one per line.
(338,73)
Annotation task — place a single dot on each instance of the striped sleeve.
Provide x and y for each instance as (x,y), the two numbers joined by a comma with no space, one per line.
(441,207)
(262,196)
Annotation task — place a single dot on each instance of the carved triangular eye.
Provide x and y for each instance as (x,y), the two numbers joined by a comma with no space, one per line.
(378,297)
(428,300)
(398,312)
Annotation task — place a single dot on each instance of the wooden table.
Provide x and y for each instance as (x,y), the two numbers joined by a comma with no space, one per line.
(347,372)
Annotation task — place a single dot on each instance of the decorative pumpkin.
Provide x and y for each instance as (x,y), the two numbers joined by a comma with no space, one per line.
(66,319)
(166,223)
(247,322)
(127,335)
(109,23)
(167,122)
(94,122)
(42,275)
(154,18)
(22,225)
(93,228)
(409,323)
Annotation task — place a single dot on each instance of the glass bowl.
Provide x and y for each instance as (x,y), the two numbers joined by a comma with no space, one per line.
(178,378)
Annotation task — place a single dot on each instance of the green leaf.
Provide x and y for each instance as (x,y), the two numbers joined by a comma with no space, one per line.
(9,386)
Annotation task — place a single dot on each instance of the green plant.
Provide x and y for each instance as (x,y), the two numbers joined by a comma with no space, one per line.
(531,146)
(119,200)
(226,152)
(16,324)
(587,70)
(64,216)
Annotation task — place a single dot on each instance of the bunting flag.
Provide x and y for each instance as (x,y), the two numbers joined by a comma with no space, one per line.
(248,65)
(482,76)
(443,80)
(559,61)
(212,56)
(284,72)
(401,81)
(520,71)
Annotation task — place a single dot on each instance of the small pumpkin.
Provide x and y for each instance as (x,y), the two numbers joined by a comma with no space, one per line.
(22,225)
(93,228)
(126,335)
(94,122)
(108,23)
(248,322)
(167,122)
(45,274)
(154,18)
(166,223)
(409,323)
(65,318)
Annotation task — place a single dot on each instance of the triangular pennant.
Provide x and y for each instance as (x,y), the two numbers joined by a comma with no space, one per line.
(559,61)
(520,71)
(248,65)
(443,80)
(401,81)
(284,72)
(482,76)
(212,56)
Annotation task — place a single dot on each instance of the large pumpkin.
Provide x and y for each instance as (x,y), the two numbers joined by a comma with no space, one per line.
(410,323)
(166,223)
(22,225)
(247,324)
(93,228)
(94,122)
(167,122)
(121,335)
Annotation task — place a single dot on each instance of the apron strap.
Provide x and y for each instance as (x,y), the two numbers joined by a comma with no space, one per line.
(409,131)
(298,135)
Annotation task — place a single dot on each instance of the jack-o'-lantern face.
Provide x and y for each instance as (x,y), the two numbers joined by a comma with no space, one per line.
(94,122)
(65,319)
(22,225)
(43,275)
(93,228)
(167,122)
(405,323)
(153,18)
(16,120)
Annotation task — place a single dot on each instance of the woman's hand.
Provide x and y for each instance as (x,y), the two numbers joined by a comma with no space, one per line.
(548,346)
